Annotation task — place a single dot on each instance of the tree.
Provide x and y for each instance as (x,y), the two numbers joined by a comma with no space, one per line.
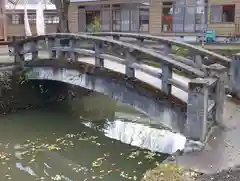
(62,12)
(95,25)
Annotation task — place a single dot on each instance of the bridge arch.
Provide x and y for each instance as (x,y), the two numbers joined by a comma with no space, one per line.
(66,49)
(103,82)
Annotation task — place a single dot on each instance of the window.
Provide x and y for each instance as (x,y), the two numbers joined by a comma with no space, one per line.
(144,20)
(228,13)
(51,19)
(55,19)
(106,19)
(222,14)
(178,18)
(116,15)
(189,19)
(125,20)
(16,19)
(19,18)
(167,18)
(32,18)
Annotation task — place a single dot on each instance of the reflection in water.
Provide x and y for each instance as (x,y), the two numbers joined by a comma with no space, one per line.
(49,144)
(26,169)
(142,136)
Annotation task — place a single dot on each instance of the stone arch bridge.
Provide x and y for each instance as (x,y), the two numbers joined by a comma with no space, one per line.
(88,61)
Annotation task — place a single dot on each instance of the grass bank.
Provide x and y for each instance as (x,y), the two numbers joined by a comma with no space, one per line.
(170,172)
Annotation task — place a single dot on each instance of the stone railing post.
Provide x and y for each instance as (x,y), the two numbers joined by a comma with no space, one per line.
(64,43)
(18,48)
(73,55)
(166,71)
(218,95)
(98,48)
(198,61)
(140,41)
(34,47)
(166,49)
(166,75)
(51,43)
(197,110)
(129,71)
(235,75)
(116,37)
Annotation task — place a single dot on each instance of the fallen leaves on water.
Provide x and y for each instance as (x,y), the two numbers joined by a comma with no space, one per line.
(133,155)
(57,177)
(98,162)
(126,176)
(80,168)
(53,147)
(150,155)
(63,142)
(4,156)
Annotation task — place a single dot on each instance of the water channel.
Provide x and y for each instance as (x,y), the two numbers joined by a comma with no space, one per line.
(51,144)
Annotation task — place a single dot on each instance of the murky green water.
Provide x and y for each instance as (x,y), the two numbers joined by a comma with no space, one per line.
(51,144)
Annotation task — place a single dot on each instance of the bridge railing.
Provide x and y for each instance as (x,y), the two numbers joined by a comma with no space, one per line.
(200,56)
(205,90)
(196,56)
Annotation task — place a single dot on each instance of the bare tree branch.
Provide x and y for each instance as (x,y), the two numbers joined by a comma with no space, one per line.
(62,12)
(13,1)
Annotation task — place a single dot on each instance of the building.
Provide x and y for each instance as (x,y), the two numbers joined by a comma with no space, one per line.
(115,15)
(190,16)
(3,34)
(14,17)
(160,17)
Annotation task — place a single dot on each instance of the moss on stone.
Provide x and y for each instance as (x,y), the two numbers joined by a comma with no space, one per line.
(170,172)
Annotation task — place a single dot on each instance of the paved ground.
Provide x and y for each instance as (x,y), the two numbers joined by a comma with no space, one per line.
(4,55)
(227,175)
(223,149)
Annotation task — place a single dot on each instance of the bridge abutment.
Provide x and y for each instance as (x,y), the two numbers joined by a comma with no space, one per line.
(235,75)
(205,102)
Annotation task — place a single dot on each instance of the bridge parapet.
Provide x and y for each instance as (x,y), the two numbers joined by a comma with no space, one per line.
(204,90)
(195,56)
(235,74)
(200,56)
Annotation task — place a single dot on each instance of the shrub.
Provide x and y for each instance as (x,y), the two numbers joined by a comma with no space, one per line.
(95,26)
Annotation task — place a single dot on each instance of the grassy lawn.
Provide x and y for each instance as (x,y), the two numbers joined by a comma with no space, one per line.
(221,47)
(157,65)
(226,50)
